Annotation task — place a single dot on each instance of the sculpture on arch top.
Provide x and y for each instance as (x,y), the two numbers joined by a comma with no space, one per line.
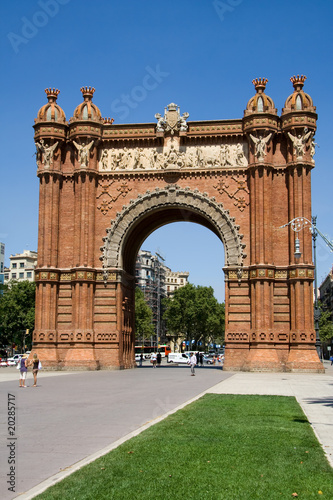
(171,121)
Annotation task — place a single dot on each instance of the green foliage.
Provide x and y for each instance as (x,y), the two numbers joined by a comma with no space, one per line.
(17,312)
(195,314)
(144,327)
(227,447)
(325,326)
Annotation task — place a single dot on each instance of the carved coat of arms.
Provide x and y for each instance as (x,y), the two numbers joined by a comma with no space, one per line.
(171,121)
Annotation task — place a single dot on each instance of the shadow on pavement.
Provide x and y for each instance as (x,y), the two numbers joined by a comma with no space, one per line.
(320,401)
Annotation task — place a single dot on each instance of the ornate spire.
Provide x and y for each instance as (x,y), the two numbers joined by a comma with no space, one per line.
(298,82)
(87,93)
(52,94)
(260,84)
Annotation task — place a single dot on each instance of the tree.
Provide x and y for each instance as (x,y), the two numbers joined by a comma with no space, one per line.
(17,311)
(325,326)
(180,312)
(144,327)
(209,317)
(195,314)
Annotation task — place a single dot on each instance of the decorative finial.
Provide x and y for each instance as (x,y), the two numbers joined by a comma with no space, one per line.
(87,93)
(172,106)
(52,94)
(260,84)
(298,82)
(108,121)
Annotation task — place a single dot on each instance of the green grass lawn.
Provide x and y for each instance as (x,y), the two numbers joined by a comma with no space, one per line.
(219,447)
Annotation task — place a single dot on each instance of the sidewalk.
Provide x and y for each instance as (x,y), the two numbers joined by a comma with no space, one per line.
(72,418)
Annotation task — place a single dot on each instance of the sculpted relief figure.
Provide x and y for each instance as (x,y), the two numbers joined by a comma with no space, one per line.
(173,158)
(313,147)
(83,152)
(104,160)
(225,156)
(45,152)
(299,142)
(260,145)
(139,159)
(240,158)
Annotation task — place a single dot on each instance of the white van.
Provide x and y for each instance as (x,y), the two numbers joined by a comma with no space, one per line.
(177,357)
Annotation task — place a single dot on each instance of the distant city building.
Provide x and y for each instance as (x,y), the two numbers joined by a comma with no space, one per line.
(326,293)
(175,280)
(157,281)
(150,275)
(22,267)
(2,262)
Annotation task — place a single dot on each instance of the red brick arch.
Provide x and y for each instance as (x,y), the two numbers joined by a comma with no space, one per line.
(105,187)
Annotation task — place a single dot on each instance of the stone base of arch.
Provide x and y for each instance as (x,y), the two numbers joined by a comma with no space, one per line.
(260,358)
(80,358)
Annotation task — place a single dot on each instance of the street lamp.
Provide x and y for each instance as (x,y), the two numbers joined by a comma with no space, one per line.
(297,225)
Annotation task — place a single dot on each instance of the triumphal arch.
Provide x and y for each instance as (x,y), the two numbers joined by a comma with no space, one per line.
(104,187)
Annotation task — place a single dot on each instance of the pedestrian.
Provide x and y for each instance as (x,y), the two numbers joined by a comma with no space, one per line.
(331,360)
(198,357)
(159,358)
(23,369)
(141,359)
(35,367)
(201,359)
(153,359)
(193,362)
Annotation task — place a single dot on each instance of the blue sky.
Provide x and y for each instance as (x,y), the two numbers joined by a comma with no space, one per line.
(205,55)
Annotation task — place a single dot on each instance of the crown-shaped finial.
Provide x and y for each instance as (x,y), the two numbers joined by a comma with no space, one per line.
(298,82)
(87,93)
(52,94)
(172,106)
(260,84)
(108,121)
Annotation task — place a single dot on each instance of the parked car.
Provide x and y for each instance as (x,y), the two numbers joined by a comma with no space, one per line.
(11,362)
(15,359)
(209,359)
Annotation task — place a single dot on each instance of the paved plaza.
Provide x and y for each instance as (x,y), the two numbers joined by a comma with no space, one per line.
(71,418)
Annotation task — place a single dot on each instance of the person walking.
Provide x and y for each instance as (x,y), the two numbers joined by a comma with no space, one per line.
(193,362)
(201,359)
(35,367)
(159,358)
(331,360)
(23,369)
(153,359)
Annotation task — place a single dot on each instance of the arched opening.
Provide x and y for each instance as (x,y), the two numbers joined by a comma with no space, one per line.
(173,256)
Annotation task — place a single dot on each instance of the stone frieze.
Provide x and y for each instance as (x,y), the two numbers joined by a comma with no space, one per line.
(174,157)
